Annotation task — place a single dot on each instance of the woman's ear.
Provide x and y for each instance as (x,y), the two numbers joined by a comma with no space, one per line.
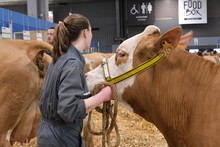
(85,32)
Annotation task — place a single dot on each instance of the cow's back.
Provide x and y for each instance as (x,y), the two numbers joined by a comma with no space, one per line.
(94,59)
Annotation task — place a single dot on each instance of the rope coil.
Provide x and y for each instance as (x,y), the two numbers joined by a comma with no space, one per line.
(109,111)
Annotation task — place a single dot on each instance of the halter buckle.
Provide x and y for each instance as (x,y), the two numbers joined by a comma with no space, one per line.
(106,69)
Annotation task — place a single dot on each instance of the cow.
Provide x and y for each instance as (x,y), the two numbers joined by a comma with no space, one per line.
(23,67)
(178,92)
(92,60)
(214,58)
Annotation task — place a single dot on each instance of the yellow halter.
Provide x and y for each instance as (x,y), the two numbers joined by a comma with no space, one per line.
(167,47)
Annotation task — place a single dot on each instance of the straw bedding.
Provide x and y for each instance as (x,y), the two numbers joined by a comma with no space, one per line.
(134,131)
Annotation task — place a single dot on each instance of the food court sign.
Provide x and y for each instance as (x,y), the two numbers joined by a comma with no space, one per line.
(192,11)
(140,12)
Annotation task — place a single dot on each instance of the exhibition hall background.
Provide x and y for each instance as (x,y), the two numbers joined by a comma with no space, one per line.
(109,19)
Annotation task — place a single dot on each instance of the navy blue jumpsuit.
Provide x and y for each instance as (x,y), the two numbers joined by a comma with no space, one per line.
(61,103)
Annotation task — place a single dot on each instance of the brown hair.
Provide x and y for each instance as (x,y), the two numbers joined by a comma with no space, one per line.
(66,32)
(51,28)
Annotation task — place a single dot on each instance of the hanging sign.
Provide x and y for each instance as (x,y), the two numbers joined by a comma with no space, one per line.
(39,36)
(26,35)
(140,12)
(192,11)
(50,16)
(6,33)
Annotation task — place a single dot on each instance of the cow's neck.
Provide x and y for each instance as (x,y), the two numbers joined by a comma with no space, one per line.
(173,94)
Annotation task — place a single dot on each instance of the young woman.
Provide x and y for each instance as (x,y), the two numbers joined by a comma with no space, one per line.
(65,98)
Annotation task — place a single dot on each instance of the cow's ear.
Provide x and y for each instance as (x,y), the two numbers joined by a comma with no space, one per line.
(185,40)
(170,39)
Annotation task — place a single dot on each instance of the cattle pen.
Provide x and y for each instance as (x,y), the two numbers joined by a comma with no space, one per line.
(134,131)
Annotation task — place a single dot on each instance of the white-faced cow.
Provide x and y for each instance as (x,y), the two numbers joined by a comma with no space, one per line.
(92,60)
(23,67)
(178,92)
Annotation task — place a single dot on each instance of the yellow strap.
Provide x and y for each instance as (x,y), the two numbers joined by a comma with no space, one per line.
(137,69)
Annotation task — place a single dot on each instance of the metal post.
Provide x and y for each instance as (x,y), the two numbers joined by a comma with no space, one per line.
(43,9)
(32,8)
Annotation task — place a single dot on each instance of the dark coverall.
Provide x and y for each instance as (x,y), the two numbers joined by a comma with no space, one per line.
(61,103)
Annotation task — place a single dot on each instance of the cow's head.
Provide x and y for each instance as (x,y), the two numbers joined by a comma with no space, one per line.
(131,53)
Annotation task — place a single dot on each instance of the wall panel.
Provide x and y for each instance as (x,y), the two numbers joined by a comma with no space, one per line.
(101,15)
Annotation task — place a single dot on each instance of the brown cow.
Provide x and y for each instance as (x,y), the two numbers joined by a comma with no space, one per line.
(180,94)
(23,66)
(214,59)
(28,55)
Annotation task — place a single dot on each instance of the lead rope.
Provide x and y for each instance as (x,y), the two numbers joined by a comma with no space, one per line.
(109,111)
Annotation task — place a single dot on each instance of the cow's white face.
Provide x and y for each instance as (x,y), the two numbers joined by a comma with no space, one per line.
(120,63)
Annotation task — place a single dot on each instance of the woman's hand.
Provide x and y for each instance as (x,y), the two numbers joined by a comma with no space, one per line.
(106,93)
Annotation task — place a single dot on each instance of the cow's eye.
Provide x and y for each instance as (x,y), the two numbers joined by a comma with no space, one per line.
(122,54)
(121,57)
